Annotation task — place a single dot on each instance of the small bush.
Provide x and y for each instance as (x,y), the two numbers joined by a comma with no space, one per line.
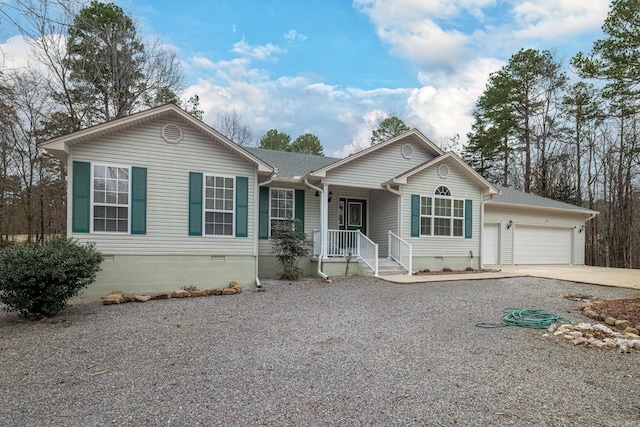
(289,245)
(37,280)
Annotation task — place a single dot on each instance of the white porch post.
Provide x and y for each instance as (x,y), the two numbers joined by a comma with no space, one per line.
(324,218)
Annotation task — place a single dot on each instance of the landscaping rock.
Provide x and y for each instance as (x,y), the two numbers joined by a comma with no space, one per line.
(160,295)
(199,293)
(229,291)
(115,297)
(141,298)
(216,291)
(111,300)
(610,321)
(180,293)
(622,324)
(598,336)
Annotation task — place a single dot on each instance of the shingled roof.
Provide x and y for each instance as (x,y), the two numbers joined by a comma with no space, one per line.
(290,165)
(511,196)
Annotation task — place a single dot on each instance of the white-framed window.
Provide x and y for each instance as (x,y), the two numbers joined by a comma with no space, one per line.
(281,207)
(219,205)
(441,214)
(111,198)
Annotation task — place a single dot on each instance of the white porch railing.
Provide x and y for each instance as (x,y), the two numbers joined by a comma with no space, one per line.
(368,251)
(400,251)
(342,243)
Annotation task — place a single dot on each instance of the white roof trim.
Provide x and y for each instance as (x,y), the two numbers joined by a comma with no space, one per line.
(402,179)
(322,172)
(584,212)
(59,146)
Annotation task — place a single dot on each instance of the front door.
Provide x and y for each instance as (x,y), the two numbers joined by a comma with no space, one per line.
(353,215)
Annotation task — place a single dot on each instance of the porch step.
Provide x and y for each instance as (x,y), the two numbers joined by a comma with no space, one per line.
(388,267)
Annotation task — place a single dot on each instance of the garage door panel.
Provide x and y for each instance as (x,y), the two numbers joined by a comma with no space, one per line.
(490,244)
(540,245)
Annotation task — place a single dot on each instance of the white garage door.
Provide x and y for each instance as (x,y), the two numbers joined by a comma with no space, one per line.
(490,244)
(539,245)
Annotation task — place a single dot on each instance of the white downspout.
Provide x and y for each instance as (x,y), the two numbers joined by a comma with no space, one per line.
(323,227)
(256,224)
(481,231)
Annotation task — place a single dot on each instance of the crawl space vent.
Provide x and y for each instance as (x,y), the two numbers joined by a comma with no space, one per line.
(172,134)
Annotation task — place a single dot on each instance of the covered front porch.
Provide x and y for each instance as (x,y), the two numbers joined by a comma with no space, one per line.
(359,232)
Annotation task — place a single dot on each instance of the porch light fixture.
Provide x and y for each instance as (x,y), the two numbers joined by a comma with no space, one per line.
(581,229)
(330,195)
(509,224)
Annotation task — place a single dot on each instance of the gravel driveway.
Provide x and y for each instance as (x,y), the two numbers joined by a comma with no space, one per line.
(358,351)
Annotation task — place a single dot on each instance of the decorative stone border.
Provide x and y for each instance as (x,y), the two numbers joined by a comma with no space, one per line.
(598,336)
(119,297)
(620,324)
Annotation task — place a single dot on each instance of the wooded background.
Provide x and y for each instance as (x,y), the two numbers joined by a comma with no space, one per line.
(534,129)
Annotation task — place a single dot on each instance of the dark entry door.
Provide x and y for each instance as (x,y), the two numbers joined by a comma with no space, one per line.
(353,215)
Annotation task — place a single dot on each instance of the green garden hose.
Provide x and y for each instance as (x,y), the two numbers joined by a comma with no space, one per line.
(536,319)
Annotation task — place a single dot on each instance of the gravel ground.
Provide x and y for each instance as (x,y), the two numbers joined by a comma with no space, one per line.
(358,351)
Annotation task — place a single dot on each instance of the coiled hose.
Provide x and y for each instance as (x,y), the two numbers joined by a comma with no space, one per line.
(536,319)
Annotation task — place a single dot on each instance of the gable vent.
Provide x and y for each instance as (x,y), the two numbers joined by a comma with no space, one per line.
(172,134)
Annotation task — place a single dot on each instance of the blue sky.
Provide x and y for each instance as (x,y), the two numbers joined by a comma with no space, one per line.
(335,68)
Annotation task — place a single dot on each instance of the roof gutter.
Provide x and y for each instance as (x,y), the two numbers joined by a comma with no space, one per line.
(392,190)
(320,191)
(273,176)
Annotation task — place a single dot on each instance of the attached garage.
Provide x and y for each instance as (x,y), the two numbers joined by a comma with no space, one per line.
(521,228)
(542,245)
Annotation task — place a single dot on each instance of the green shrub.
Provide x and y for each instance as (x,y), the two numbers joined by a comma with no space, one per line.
(289,245)
(37,280)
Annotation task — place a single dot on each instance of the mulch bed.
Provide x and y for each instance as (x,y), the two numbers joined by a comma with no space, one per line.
(620,308)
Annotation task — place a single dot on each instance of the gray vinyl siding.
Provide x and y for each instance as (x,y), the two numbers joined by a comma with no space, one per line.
(383,206)
(377,167)
(424,184)
(502,214)
(168,168)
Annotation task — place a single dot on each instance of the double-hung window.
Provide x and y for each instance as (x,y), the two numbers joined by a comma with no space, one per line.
(111,198)
(219,203)
(441,214)
(281,208)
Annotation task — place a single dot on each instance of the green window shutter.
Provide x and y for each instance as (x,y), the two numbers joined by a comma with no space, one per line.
(81,203)
(299,208)
(242,206)
(138,200)
(468,219)
(263,213)
(195,204)
(415,215)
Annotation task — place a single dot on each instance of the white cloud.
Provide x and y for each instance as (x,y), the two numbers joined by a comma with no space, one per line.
(258,52)
(292,35)
(202,62)
(446,110)
(550,19)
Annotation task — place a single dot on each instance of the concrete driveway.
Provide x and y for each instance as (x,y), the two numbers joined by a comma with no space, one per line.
(619,277)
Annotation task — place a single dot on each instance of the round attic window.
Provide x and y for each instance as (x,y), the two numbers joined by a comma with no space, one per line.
(443,171)
(172,134)
(407,151)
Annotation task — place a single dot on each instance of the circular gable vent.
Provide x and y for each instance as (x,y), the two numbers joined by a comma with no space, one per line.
(172,134)
(443,171)
(407,151)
